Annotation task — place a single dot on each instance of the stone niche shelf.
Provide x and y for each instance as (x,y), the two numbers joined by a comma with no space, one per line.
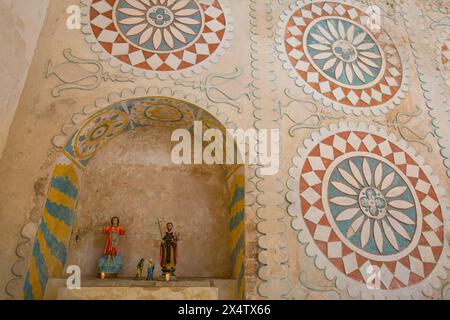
(129,289)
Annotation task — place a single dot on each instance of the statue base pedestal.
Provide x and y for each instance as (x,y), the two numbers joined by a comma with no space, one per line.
(163,278)
(109,266)
(129,289)
(107,275)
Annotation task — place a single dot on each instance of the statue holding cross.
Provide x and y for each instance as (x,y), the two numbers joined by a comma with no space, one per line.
(168,251)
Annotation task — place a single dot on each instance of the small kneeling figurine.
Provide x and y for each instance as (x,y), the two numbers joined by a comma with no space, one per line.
(111,261)
(150,269)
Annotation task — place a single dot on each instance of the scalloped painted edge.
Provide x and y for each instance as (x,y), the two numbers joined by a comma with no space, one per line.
(353,287)
(269,285)
(139,92)
(433,94)
(27,234)
(162,75)
(337,106)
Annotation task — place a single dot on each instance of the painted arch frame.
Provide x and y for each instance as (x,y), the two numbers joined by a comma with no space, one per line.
(50,249)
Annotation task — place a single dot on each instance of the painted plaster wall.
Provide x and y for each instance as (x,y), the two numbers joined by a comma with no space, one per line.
(40,119)
(270,96)
(134,178)
(21,22)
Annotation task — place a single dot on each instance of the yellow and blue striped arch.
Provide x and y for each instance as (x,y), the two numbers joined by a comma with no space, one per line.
(50,248)
(51,245)
(236,186)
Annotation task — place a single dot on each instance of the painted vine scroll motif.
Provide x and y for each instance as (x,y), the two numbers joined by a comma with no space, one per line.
(80,74)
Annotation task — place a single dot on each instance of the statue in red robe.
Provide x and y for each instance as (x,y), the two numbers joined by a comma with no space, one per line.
(112,242)
(111,261)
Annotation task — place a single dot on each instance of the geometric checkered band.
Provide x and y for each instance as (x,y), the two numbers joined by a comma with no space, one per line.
(157,37)
(365,201)
(336,52)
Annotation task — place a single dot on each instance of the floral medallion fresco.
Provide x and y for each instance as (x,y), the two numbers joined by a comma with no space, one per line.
(364,200)
(331,49)
(158,37)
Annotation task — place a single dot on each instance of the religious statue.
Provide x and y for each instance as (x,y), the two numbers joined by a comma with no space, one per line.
(168,252)
(111,261)
(139,269)
(150,269)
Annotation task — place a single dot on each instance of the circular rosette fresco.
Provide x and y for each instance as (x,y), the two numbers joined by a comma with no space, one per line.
(158,37)
(122,116)
(96,132)
(335,52)
(364,201)
(161,112)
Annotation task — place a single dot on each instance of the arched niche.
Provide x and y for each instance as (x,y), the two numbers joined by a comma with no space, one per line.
(123,118)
